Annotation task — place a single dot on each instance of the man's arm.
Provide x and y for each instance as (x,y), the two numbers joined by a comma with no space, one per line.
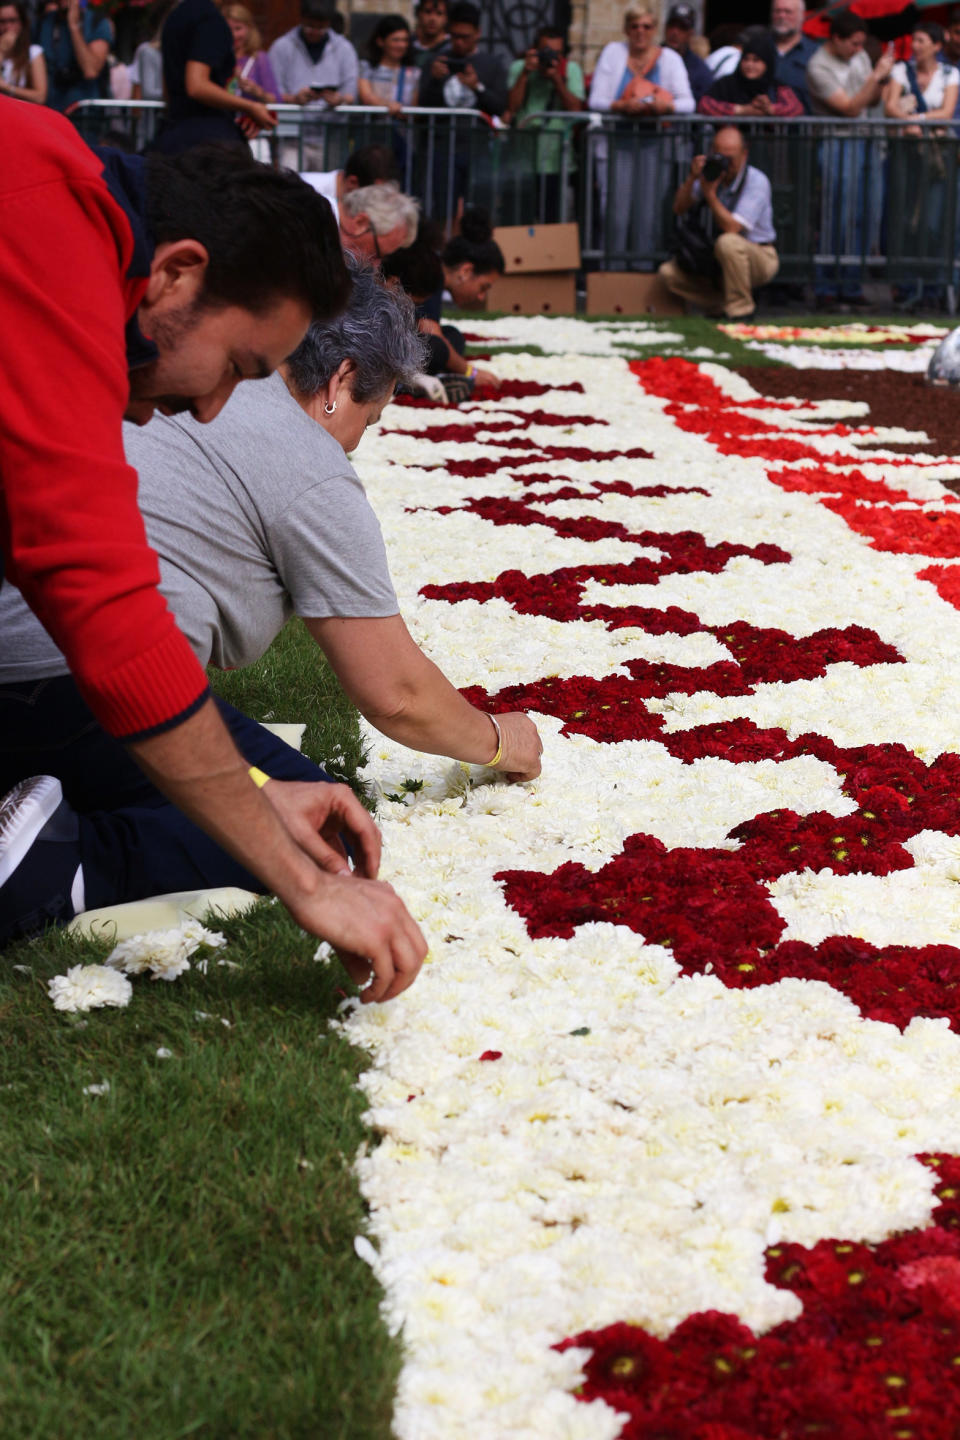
(725,219)
(869,93)
(685,196)
(491,89)
(517,92)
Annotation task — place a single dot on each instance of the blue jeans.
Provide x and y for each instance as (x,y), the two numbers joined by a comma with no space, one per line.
(133,842)
(850,195)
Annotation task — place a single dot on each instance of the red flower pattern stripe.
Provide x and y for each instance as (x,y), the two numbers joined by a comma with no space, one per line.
(876,1352)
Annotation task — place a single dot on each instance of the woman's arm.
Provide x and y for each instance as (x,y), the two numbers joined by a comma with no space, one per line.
(677,81)
(366,95)
(402,693)
(786,102)
(945,111)
(893,95)
(205,91)
(606,77)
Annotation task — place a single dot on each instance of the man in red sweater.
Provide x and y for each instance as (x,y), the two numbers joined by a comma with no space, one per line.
(128,285)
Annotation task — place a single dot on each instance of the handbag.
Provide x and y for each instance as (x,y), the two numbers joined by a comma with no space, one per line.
(693,247)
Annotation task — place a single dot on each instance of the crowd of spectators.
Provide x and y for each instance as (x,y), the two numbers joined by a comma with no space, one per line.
(219,82)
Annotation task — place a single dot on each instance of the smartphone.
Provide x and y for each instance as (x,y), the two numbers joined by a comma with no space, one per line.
(455,65)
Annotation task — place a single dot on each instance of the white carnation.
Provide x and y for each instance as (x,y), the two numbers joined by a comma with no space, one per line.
(164,953)
(88,987)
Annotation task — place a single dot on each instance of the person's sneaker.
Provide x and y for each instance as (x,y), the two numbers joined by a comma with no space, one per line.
(458,387)
(41,879)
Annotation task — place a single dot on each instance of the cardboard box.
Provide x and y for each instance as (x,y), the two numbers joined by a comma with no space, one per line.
(529,248)
(536,294)
(614,292)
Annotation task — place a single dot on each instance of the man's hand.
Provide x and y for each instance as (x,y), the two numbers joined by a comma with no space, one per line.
(531,60)
(316,813)
(304,96)
(470,77)
(439,70)
(522,747)
(696,166)
(368,925)
(484,379)
(73,13)
(883,66)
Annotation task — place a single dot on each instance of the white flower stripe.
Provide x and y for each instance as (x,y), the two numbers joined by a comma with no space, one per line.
(643,1135)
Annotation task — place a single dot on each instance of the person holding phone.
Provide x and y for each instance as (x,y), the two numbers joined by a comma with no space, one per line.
(467,78)
(727,246)
(313,64)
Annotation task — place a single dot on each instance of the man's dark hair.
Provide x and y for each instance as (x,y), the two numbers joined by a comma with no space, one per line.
(372,163)
(954,17)
(464,13)
(323,10)
(475,245)
(550,32)
(268,234)
(417,266)
(419,5)
(844,24)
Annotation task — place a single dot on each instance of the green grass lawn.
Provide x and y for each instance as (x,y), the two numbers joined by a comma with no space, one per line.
(177,1256)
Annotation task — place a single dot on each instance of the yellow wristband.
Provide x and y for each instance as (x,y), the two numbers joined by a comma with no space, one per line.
(258,777)
(499,755)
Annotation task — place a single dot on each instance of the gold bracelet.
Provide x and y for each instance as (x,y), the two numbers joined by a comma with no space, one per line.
(499,753)
(258,777)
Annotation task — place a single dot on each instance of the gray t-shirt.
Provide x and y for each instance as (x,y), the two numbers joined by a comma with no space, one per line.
(827,73)
(255,517)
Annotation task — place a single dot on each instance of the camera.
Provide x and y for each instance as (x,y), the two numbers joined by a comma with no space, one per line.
(455,65)
(546,59)
(716,166)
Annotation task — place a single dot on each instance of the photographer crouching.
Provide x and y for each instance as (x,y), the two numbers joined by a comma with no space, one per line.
(725,243)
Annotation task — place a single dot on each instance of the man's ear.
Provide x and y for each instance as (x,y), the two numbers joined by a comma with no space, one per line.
(177,274)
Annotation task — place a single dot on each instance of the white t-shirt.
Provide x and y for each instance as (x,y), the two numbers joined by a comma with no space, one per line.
(6,70)
(325,184)
(936,87)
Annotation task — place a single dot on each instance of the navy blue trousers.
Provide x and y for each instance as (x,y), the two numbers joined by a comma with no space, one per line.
(133,842)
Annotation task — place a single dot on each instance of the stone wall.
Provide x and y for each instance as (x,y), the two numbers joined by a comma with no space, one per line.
(593,23)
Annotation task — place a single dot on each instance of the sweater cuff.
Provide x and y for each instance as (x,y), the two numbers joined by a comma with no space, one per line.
(152,692)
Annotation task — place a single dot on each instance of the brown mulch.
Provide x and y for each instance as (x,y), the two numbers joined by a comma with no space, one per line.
(893,397)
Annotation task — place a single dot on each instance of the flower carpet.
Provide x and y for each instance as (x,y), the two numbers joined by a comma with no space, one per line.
(668,1124)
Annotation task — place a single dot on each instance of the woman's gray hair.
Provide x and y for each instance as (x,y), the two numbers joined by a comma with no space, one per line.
(377,333)
(386,207)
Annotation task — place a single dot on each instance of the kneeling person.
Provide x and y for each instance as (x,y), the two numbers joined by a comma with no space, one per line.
(731,208)
(255,516)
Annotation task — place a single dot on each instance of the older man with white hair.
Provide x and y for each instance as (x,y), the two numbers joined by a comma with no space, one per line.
(376,220)
(795,48)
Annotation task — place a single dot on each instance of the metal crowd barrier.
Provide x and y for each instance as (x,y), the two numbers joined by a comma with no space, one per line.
(851,200)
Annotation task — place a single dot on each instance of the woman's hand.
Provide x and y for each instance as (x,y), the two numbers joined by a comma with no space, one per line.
(394,108)
(521,747)
(256,118)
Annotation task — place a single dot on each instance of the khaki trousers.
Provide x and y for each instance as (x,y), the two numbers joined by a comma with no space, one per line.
(744,268)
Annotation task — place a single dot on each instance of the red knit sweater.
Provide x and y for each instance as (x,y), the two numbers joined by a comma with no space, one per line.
(71,535)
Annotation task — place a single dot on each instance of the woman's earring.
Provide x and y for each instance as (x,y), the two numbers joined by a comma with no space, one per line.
(328,409)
